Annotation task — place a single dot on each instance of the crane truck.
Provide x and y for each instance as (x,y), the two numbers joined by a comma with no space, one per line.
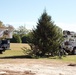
(5,36)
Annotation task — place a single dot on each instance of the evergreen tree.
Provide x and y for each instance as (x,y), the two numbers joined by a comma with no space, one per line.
(46,37)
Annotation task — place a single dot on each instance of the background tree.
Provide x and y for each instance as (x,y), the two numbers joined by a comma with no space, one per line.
(24,39)
(16,39)
(1,24)
(21,31)
(46,37)
(29,37)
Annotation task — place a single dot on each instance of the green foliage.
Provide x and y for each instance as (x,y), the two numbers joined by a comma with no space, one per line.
(16,39)
(46,37)
(21,31)
(29,37)
(24,39)
(1,24)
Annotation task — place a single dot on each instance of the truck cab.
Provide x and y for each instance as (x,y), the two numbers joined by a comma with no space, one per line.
(5,36)
(4,45)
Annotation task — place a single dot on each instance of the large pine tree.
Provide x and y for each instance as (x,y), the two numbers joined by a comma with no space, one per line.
(46,37)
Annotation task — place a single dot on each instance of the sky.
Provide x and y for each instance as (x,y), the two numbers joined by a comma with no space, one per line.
(27,12)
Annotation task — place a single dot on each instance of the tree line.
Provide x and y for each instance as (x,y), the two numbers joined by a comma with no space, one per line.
(44,40)
(21,35)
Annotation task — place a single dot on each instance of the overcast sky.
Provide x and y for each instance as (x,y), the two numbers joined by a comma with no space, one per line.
(27,12)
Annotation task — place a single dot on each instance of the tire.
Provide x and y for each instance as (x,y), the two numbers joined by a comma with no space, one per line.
(0,52)
(74,51)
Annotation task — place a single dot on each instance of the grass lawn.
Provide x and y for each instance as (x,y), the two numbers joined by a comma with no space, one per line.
(17,51)
(70,58)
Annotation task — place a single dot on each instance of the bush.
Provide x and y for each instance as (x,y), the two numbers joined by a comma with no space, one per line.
(16,39)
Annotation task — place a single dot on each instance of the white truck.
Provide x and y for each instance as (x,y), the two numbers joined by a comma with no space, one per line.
(69,43)
(5,36)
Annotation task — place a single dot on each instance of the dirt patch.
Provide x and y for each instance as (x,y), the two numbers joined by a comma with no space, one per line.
(8,72)
(35,67)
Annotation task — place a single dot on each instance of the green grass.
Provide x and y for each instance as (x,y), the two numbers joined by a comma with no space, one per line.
(70,58)
(17,51)
(12,53)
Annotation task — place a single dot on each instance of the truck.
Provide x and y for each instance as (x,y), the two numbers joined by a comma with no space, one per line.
(69,43)
(5,36)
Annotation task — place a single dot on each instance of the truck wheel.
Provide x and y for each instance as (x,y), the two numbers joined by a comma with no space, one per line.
(0,52)
(74,51)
